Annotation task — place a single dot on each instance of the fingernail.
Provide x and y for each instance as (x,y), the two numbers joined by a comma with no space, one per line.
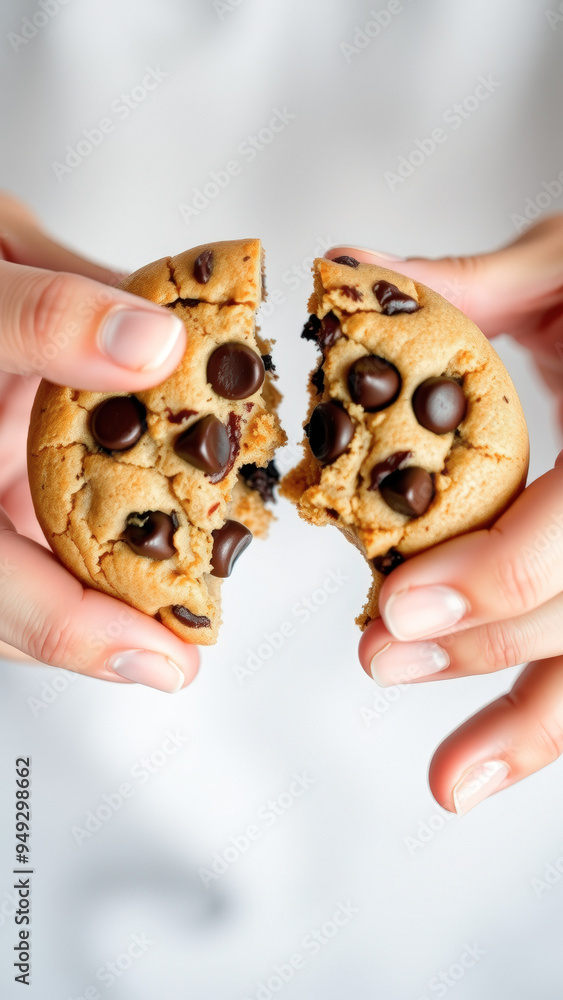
(139,339)
(478,783)
(382,254)
(399,662)
(144,667)
(422,611)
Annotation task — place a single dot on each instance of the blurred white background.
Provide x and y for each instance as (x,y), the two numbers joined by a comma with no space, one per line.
(421,887)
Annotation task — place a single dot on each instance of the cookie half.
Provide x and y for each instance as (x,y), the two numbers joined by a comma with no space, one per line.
(415,433)
(151,497)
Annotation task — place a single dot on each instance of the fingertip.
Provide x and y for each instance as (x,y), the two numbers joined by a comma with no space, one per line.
(150,669)
(373,638)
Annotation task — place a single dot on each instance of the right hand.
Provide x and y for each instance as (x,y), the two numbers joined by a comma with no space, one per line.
(45,612)
(493,598)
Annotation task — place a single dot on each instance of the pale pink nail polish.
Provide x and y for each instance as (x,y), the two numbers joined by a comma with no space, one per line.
(145,667)
(402,662)
(139,339)
(478,783)
(423,611)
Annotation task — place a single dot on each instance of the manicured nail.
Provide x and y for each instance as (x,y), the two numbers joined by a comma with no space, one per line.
(401,662)
(382,254)
(478,783)
(423,611)
(144,667)
(139,339)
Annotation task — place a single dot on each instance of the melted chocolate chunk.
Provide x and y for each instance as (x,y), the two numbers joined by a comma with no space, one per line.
(235,371)
(439,404)
(383,469)
(187,617)
(269,365)
(392,300)
(344,259)
(387,563)
(311,329)
(330,431)
(261,480)
(229,542)
(233,437)
(117,423)
(324,332)
(150,534)
(329,332)
(205,445)
(188,303)
(180,416)
(373,382)
(408,491)
(352,293)
(203,267)
(318,380)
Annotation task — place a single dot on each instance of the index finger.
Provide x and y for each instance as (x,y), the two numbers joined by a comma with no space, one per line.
(484,576)
(23,241)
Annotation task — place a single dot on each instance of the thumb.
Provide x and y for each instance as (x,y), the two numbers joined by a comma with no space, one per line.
(76,331)
(499,291)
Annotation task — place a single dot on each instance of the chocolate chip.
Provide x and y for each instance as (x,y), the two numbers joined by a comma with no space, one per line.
(439,404)
(387,563)
(261,480)
(229,542)
(150,534)
(269,365)
(203,267)
(352,293)
(330,431)
(373,382)
(392,300)
(235,370)
(311,329)
(349,261)
(383,469)
(118,422)
(205,445)
(318,380)
(187,617)
(233,437)
(408,491)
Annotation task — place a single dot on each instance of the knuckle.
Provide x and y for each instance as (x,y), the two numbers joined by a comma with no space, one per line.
(544,742)
(464,272)
(521,583)
(52,642)
(544,739)
(50,307)
(506,644)
(548,744)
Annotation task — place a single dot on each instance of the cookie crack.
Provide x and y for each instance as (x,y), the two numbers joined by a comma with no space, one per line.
(482,449)
(172,278)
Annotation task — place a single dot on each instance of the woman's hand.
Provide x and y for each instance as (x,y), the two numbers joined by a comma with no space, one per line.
(489,599)
(60,319)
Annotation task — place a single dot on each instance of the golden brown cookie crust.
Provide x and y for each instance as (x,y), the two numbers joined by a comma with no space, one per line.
(477,470)
(83,494)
